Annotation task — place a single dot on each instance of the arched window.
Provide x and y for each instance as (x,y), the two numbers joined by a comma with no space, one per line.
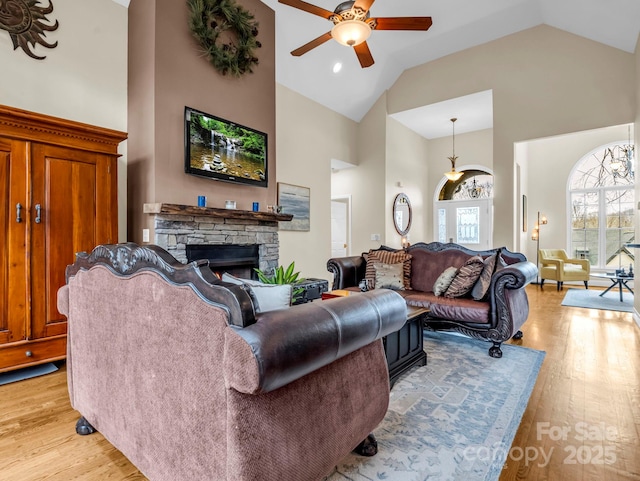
(477,186)
(602,199)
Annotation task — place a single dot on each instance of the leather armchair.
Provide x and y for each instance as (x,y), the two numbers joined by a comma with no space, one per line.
(556,265)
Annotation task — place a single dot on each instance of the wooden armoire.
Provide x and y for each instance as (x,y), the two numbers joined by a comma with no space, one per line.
(58,182)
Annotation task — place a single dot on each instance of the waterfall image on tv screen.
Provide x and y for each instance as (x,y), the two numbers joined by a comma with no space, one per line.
(223,150)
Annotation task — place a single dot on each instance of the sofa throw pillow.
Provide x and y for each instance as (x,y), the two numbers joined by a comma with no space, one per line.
(270,297)
(466,277)
(389,276)
(265,297)
(444,280)
(226,277)
(481,287)
(387,257)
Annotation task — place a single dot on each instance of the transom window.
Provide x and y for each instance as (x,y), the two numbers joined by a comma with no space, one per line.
(476,187)
(602,199)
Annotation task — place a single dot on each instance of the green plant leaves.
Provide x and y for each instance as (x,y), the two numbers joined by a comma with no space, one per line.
(281,276)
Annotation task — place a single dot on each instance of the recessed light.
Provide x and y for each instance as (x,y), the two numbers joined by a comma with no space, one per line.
(337,67)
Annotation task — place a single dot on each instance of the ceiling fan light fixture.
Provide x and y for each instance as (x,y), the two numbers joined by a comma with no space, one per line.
(351,32)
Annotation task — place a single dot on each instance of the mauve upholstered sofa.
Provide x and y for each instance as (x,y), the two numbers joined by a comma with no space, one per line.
(496,318)
(180,374)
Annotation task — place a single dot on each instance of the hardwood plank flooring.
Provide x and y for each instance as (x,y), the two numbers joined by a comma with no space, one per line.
(589,384)
(582,419)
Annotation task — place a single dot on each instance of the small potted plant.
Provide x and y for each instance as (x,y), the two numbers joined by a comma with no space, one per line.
(282,276)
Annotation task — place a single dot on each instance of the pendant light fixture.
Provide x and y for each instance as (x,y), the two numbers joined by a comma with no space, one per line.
(453,175)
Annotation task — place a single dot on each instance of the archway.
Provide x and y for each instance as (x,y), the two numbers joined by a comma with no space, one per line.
(463,210)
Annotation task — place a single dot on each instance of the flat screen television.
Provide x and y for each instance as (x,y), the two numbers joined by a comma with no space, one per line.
(219,149)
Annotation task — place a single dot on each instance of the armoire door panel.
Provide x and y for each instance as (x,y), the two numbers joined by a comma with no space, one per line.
(107,200)
(58,183)
(65,188)
(13,292)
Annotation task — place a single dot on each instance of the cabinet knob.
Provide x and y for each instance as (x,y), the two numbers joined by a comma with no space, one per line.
(28,353)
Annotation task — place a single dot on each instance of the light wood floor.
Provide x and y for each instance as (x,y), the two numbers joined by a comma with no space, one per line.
(589,384)
(588,387)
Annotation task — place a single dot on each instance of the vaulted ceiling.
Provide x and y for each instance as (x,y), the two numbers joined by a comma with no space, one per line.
(457,25)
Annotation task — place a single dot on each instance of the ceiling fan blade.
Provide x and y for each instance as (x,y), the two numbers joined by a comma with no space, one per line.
(364,55)
(364,4)
(311,45)
(307,7)
(403,23)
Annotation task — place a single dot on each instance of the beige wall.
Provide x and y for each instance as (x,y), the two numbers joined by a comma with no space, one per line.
(545,82)
(407,163)
(309,136)
(521,155)
(366,183)
(551,162)
(84,78)
(474,149)
(178,75)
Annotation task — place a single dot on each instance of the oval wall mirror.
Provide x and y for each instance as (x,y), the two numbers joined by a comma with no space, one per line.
(402,214)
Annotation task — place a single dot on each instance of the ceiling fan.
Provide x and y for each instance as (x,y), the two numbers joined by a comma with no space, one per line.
(352,25)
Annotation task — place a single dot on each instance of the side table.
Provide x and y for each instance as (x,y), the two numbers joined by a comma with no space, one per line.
(405,347)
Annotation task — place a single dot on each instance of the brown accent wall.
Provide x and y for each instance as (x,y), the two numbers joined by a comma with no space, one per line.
(168,71)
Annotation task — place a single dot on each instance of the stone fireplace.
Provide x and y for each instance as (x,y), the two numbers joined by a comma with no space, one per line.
(177,227)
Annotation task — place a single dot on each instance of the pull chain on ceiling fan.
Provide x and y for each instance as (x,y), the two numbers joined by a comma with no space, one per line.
(352,25)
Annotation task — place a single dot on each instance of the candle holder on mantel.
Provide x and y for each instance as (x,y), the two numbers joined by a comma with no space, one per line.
(535,235)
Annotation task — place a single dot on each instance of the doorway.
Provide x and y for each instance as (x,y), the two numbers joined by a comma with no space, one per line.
(340,226)
(463,210)
(465,222)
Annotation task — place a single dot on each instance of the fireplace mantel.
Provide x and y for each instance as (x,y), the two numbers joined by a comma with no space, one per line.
(177,209)
(176,226)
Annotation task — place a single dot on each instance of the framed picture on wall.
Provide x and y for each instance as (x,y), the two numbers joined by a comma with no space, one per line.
(295,200)
(524,213)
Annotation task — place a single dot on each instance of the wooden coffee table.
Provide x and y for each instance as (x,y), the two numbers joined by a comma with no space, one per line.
(405,347)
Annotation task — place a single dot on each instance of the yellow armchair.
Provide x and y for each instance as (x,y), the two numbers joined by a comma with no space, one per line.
(556,265)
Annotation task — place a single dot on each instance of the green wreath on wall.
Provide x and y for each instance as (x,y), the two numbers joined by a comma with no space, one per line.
(233,52)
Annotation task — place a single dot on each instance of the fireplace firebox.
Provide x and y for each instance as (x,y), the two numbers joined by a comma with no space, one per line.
(237,260)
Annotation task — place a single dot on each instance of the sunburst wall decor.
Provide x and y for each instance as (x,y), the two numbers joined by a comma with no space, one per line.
(23,19)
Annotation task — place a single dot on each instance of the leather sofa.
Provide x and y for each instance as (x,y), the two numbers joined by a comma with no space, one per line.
(177,370)
(496,318)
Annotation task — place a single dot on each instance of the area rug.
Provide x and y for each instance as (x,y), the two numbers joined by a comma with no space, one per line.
(591,299)
(453,419)
(27,373)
